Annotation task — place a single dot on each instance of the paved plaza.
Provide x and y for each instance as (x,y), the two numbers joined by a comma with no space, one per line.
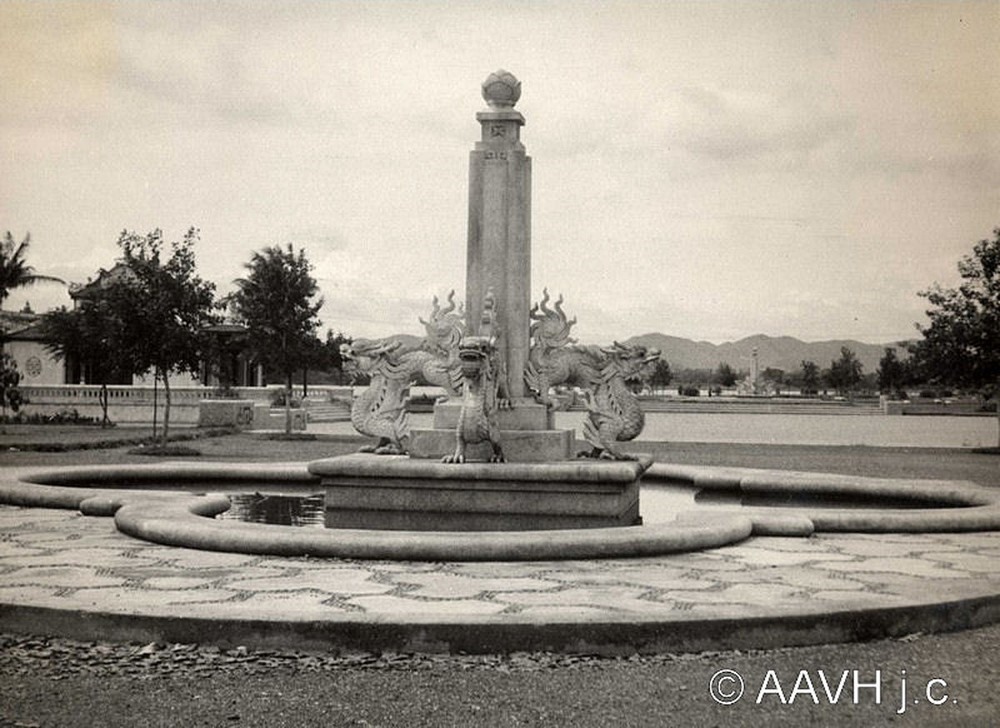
(64,572)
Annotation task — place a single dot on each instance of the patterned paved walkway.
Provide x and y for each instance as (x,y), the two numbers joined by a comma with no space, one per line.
(66,572)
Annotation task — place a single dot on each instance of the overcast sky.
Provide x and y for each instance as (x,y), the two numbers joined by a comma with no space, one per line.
(710,170)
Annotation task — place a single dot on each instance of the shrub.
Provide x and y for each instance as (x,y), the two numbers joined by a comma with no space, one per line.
(65,416)
(225,392)
(278,399)
(164,451)
(687,390)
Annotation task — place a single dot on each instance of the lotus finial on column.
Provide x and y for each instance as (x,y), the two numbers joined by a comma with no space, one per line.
(501,90)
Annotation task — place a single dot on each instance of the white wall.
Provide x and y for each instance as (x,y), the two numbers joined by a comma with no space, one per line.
(36,365)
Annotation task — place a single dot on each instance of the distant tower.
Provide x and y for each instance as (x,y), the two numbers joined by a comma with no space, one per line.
(499,242)
(755,371)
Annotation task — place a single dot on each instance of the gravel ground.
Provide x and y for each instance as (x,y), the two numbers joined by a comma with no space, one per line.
(55,682)
(50,682)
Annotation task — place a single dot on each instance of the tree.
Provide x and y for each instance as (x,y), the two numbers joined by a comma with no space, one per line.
(161,307)
(89,334)
(277,302)
(14,270)
(693,376)
(810,377)
(333,361)
(892,373)
(724,375)
(10,377)
(844,373)
(773,375)
(961,345)
(661,376)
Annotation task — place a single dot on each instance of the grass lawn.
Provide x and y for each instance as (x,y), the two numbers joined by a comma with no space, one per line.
(17,441)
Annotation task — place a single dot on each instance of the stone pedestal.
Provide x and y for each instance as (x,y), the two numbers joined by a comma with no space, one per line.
(225,413)
(399,493)
(266,417)
(522,416)
(519,446)
(527,433)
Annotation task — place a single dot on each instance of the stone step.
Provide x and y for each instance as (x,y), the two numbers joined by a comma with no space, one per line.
(323,410)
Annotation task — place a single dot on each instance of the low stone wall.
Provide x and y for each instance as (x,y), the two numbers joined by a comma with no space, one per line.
(126,404)
(267,418)
(225,413)
(928,408)
(134,404)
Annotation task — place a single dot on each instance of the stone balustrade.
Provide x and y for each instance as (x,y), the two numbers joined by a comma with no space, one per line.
(134,404)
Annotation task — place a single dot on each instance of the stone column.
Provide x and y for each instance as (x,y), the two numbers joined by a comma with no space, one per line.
(499,243)
(499,259)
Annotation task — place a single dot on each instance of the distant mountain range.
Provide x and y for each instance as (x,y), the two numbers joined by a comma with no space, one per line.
(781,352)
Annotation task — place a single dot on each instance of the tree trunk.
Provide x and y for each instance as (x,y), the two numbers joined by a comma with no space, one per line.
(166,407)
(105,422)
(288,404)
(156,379)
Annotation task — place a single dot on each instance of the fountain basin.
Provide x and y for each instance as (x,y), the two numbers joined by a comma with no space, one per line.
(400,493)
(182,518)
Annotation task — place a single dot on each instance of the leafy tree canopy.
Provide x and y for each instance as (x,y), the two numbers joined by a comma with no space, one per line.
(810,373)
(845,373)
(725,375)
(161,305)
(277,302)
(10,377)
(893,373)
(14,269)
(961,344)
(661,375)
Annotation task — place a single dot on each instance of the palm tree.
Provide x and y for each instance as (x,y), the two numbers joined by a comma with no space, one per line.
(14,271)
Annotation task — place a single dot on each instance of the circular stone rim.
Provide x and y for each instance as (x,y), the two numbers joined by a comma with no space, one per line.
(185,519)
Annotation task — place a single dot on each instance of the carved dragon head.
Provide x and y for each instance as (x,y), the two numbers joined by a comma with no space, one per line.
(475,356)
(369,355)
(633,361)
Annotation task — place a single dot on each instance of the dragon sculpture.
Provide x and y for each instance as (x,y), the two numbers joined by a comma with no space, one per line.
(485,389)
(604,373)
(393,365)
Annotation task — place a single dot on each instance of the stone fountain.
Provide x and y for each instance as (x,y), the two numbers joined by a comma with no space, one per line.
(494,480)
(493,459)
